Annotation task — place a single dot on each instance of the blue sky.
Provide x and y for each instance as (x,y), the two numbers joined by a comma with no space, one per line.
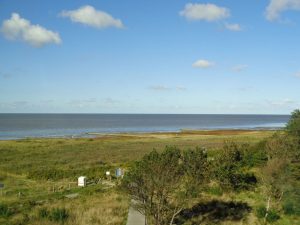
(150,56)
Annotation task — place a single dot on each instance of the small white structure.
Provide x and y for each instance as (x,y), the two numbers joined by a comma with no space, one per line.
(107,173)
(119,173)
(81,181)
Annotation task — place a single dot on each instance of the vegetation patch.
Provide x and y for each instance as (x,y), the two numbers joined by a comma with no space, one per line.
(5,211)
(55,214)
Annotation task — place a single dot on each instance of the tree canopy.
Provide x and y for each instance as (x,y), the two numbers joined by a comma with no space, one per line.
(293,126)
(162,183)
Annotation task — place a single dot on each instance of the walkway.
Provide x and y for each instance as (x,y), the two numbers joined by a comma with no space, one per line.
(135,217)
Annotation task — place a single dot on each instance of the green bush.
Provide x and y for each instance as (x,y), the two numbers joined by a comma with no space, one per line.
(289,208)
(59,215)
(272,216)
(5,211)
(261,212)
(43,213)
(255,155)
(56,214)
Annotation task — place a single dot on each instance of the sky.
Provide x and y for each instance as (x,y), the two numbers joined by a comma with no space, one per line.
(133,56)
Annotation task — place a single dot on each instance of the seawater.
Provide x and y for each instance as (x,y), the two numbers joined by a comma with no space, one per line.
(15,126)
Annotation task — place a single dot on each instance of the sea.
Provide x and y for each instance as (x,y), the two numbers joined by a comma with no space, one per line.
(18,126)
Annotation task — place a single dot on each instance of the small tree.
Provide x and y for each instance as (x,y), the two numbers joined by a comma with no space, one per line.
(273,177)
(280,150)
(161,184)
(293,126)
(229,169)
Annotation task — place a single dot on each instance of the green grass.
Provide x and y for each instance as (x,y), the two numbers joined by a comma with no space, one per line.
(32,168)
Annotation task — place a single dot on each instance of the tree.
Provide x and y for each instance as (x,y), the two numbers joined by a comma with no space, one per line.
(229,168)
(274,177)
(280,150)
(161,183)
(293,126)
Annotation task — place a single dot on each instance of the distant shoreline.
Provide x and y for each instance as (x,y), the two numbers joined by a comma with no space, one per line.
(230,131)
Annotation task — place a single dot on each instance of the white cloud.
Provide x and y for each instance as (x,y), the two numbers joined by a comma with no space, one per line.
(202,63)
(88,15)
(239,68)
(208,12)
(276,7)
(17,28)
(233,26)
(297,74)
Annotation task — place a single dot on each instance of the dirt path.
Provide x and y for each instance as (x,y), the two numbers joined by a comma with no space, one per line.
(135,217)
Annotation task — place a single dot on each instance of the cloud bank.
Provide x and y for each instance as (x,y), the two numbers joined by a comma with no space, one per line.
(17,28)
(89,16)
(276,7)
(208,12)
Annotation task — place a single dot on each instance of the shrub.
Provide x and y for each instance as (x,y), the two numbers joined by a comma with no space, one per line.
(272,216)
(261,212)
(59,215)
(230,168)
(293,126)
(56,214)
(5,211)
(289,208)
(255,155)
(43,213)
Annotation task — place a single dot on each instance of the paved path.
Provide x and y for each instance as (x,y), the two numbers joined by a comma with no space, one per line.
(135,217)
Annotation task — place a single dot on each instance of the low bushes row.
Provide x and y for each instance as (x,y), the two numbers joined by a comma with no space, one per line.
(57,174)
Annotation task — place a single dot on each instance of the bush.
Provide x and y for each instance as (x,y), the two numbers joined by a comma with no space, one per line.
(272,215)
(261,212)
(5,211)
(255,155)
(59,215)
(56,214)
(230,168)
(293,126)
(289,208)
(43,213)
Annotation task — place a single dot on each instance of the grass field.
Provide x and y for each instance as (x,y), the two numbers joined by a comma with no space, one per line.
(39,173)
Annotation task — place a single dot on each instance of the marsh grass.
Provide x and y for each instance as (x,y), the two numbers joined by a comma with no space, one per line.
(38,173)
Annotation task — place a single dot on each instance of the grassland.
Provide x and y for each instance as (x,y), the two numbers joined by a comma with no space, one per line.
(40,173)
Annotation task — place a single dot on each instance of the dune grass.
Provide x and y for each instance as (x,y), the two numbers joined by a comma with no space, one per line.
(39,173)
